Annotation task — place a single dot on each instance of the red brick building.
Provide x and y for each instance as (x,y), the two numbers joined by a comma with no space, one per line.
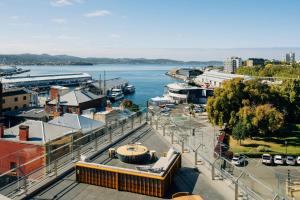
(75,102)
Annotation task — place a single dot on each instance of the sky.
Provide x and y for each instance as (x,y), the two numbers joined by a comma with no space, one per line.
(176,29)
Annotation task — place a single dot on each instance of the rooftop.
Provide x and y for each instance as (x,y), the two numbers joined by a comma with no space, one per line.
(36,113)
(75,97)
(79,122)
(181,86)
(43,77)
(15,91)
(39,132)
(68,188)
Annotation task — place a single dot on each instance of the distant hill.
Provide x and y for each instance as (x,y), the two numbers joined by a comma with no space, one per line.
(46,59)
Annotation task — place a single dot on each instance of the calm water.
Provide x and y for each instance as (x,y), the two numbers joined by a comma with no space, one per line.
(149,80)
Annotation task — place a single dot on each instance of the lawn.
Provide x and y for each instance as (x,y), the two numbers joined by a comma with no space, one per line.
(270,144)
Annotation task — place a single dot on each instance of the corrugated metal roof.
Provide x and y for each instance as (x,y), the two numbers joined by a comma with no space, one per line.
(39,132)
(75,97)
(16,79)
(77,122)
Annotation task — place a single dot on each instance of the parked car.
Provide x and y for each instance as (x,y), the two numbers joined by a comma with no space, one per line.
(238,160)
(290,160)
(298,160)
(267,159)
(278,160)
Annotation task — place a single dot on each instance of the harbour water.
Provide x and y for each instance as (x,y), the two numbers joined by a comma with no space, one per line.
(149,80)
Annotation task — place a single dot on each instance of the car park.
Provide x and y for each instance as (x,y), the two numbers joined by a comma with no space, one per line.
(298,160)
(278,160)
(238,160)
(267,159)
(290,160)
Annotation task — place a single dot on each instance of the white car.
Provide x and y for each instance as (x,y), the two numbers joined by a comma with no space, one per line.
(267,159)
(290,160)
(238,160)
(298,160)
(278,160)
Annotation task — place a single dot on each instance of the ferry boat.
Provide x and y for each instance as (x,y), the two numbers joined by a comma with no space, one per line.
(116,95)
(129,89)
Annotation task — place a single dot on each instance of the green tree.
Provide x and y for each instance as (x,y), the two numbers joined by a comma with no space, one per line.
(267,119)
(227,100)
(240,132)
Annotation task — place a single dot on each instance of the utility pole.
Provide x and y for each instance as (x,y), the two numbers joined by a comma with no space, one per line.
(100,84)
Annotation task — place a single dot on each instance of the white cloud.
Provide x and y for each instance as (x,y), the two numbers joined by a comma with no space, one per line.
(61,3)
(114,35)
(59,20)
(67,37)
(98,13)
(15,17)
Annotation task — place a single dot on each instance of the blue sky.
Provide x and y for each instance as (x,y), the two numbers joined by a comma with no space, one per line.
(178,29)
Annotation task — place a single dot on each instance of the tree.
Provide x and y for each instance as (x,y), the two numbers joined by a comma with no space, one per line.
(240,132)
(227,100)
(267,119)
(246,115)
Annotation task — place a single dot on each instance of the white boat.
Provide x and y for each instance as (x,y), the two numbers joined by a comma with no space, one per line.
(129,89)
(116,94)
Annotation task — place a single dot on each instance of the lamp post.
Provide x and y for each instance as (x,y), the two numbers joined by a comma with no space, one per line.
(285,142)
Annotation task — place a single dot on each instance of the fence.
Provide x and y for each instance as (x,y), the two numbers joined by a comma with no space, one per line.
(56,158)
(201,142)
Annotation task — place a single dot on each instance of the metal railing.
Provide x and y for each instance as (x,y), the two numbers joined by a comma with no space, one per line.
(245,184)
(58,158)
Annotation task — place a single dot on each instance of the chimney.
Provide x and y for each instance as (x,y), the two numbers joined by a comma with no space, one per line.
(1,130)
(23,133)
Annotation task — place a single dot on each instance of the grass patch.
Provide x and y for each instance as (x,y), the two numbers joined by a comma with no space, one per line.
(269,144)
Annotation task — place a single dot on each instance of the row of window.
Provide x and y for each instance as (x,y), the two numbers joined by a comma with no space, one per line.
(16,99)
(15,108)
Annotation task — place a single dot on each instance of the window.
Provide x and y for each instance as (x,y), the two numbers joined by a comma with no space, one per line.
(24,97)
(3,101)
(16,107)
(24,106)
(16,99)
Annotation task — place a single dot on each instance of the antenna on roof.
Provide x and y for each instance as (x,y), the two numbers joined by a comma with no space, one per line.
(104,83)
(100,86)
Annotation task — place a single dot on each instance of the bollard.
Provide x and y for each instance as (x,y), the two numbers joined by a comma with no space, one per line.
(141,118)
(132,121)
(150,120)
(182,146)
(164,130)
(25,185)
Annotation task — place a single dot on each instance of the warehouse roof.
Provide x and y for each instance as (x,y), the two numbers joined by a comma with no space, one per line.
(39,132)
(79,122)
(75,97)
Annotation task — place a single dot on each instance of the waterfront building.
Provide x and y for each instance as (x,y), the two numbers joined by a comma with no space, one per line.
(231,64)
(251,62)
(213,78)
(184,93)
(290,57)
(75,102)
(15,98)
(46,80)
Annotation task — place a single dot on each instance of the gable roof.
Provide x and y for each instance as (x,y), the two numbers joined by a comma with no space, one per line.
(39,132)
(77,122)
(75,97)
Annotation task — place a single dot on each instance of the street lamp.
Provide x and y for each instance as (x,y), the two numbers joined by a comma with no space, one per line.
(285,142)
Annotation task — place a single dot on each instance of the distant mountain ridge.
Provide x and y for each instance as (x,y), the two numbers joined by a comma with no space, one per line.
(46,59)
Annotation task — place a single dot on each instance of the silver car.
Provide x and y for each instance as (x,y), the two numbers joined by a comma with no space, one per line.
(290,160)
